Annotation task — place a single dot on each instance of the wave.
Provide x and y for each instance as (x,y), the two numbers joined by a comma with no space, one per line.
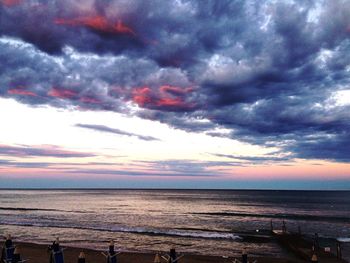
(343,239)
(136,230)
(38,209)
(27,209)
(282,216)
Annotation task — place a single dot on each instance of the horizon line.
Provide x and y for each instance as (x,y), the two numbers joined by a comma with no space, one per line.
(172,189)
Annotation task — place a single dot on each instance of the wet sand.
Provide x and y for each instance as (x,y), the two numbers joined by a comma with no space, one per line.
(39,254)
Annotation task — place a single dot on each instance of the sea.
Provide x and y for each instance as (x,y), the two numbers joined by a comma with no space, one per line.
(205,222)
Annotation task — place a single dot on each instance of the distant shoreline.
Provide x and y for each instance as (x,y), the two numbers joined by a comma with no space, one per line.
(177,189)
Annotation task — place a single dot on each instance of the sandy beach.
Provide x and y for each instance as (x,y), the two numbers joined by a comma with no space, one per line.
(36,253)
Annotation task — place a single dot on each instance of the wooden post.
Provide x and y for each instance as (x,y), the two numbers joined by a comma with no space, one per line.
(271,226)
(284,227)
(157,258)
(81,258)
(16,255)
(339,255)
(314,258)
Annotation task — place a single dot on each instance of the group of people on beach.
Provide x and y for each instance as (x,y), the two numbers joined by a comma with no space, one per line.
(11,254)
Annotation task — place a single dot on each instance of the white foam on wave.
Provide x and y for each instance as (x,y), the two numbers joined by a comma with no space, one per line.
(343,239)
(139,230)
(171,232)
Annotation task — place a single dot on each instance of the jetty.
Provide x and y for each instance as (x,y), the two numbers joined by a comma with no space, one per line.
(305,248)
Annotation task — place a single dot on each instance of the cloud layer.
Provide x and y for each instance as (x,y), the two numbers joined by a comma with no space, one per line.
(41,151)
(103,128)
(268,71)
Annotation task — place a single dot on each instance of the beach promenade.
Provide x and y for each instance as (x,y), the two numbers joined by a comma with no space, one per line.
(306,249)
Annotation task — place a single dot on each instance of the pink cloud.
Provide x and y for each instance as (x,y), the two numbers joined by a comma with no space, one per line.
(10,3)
(99,23)
(175,90)
(21,91)
(92,100)
(62,93)
(142,96)
(41,150)
(167,98)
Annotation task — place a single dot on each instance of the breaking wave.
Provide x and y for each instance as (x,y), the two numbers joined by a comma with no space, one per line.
(135,230)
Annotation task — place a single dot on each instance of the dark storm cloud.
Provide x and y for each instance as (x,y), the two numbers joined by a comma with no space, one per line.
(50,25)
(326,146)
(46,150)
(268,72)
(103,128)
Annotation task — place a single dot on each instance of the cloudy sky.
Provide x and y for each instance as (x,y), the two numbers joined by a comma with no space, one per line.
(186,94)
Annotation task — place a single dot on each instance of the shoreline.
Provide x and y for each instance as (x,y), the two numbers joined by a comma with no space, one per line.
(178,189)
(38,253)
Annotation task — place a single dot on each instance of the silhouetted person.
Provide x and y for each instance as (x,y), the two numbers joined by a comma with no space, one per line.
(111,248)
(8,241)
(55,247)
(112,255)
(284,227)
(7,245)
(172,256)
(244,256)
(316,243)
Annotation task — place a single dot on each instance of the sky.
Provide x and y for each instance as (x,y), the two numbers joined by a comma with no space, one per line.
(248,94)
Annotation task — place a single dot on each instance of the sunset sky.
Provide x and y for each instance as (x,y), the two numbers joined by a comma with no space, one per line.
(175,94)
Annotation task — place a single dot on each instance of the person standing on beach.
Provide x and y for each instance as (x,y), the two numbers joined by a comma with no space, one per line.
(244,256)
(55,247)
(112,255)
(8,244)
(172,256)
(111,248)
(8,241)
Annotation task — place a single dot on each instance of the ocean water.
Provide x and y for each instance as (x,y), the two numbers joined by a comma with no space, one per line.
(205,222)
